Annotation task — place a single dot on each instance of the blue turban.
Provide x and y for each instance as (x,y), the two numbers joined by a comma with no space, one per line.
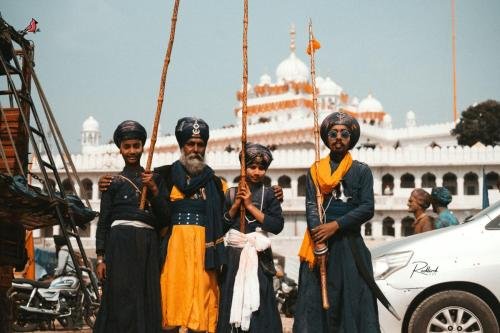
(340,118)
(441,195)
(190,127)
(257,154)
(129,129)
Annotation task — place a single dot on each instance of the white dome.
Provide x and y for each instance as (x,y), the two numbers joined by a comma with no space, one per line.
(387,118)
(292,69)
(330,88)
(370,104)
(355,101)
(265,79)
(410,115)
(90,125)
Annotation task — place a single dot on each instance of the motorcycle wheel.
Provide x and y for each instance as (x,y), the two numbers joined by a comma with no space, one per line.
(90,315)
(17,299)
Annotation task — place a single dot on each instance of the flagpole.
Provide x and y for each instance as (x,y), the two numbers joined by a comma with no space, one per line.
(320,250)
(453,42)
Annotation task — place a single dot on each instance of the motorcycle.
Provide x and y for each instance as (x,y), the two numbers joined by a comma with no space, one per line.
(37,304)
(286,291)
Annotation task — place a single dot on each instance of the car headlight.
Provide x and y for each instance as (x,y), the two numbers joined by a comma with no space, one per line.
(387,264)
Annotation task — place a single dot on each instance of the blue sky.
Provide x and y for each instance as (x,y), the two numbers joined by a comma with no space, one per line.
(104,57)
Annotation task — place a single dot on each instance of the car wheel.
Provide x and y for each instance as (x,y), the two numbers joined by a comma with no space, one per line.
(453,311)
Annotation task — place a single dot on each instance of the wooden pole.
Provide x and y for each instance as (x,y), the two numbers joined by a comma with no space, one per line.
(244,111)
(161,93)
(320,249)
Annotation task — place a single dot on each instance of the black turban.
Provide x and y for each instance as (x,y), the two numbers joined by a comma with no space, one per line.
(340,118)
(189,127)
(129,129)
(257,154)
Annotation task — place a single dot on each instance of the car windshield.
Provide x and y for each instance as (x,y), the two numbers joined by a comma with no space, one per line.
(487,211)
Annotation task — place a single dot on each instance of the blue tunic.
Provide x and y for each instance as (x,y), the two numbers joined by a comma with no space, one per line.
(353,307)
(445,219)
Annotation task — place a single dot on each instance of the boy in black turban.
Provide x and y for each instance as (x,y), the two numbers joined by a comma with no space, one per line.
(263,209)
(127,243)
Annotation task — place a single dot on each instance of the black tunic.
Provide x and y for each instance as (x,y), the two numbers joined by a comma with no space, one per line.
(131,292)
(353,308)
(266,318)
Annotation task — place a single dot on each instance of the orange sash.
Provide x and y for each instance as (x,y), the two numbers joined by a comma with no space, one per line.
(326,181)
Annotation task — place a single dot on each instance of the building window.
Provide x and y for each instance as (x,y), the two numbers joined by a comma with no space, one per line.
(301,186)
(471,184)
(387,184)
(450,182)
(492,180)
(388,226)
(86,191)
(407,226)
(368,229)
(285,181)
(407,181)
(428,180)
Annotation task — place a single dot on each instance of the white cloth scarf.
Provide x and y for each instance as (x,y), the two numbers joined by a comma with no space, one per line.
(246,296)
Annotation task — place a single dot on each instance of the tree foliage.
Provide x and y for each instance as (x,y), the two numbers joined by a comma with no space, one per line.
(479,123)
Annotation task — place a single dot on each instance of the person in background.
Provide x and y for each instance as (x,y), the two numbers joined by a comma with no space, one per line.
(64,263)
(440,199)
(418,202)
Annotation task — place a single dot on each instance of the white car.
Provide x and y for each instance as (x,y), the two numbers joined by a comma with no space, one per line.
(445,280)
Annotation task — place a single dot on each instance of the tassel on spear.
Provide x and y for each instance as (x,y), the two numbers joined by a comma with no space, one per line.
(242,183)
(320,250)
(161,93)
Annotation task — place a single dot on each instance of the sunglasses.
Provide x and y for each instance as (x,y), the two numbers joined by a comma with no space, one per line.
(344,134)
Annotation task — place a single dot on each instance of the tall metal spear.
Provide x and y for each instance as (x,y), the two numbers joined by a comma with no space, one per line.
(320,250)
(244,111)
(161,93)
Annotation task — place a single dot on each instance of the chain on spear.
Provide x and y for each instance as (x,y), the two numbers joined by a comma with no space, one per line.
(320,250)
(244,111)
(161,93)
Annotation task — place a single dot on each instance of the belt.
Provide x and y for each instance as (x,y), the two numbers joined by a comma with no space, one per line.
(189,219)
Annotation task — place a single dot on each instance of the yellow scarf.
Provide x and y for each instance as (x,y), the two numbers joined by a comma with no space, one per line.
(326,181)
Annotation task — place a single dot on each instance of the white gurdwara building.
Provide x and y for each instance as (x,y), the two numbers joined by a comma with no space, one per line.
(280,116)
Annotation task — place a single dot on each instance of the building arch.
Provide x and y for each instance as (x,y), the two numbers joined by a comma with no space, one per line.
(387,184)
(301,186)
(492,181)
(86,190)
(407,181)
(471,184)
(388,226)
(285,181)
(450,182)
(368,229)
(428,180)
(407,226)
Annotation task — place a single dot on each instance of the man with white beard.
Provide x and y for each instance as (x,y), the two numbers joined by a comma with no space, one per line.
(192,248)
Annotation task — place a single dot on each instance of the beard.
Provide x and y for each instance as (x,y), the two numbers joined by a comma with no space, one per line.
(194,163)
